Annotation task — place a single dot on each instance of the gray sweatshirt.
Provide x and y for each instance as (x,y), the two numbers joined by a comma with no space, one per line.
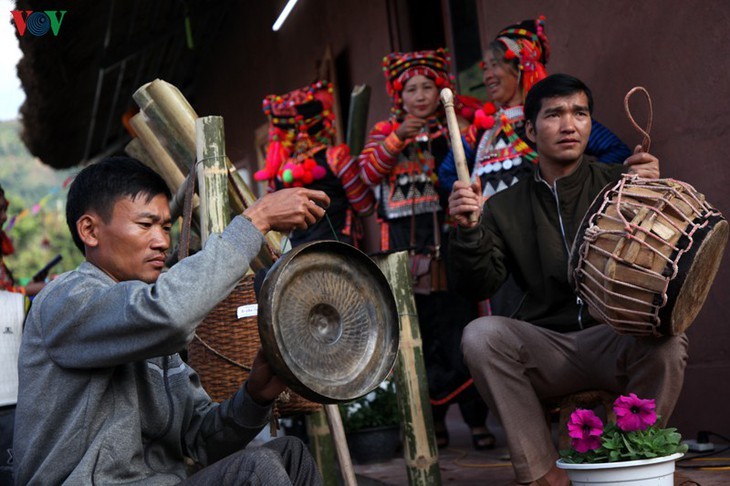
(104,397)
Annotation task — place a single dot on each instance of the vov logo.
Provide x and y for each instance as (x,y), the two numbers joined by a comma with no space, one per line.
(38,23)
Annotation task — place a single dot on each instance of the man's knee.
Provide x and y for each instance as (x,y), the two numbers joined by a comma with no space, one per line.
(484,336)
(668,350)
(254,465)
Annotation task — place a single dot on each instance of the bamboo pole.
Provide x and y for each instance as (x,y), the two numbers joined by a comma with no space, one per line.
(163,163)
(358,118)
(212,176)
(322,446)
(420,449)
(334,419)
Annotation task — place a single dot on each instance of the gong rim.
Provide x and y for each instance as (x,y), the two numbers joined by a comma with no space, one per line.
(328,322)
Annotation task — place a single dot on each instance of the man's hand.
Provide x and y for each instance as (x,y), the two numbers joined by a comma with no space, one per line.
(288,209)
(643,164)
(464,200)
(410,127)
(263,386)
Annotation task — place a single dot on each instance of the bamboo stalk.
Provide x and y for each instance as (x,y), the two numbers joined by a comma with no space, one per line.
(322,446)
(358,118)
(420,449)
(163,163)
(212,175)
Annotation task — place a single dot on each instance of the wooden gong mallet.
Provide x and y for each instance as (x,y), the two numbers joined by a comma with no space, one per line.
(462,170)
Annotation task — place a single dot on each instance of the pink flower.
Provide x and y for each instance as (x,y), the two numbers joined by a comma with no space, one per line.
(585,445)
(585,430)
(634,413)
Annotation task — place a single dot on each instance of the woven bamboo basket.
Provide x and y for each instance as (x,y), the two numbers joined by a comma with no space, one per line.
(224,349)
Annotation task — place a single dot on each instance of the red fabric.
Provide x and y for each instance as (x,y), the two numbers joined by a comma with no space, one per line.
(6,244)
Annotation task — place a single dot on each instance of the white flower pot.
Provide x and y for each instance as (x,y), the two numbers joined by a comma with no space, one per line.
(655,472)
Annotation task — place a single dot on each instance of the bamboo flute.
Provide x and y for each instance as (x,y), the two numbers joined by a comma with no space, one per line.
(419,439)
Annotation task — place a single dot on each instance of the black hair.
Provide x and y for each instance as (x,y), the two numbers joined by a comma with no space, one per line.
(499,50)
(99,186)
(554,86)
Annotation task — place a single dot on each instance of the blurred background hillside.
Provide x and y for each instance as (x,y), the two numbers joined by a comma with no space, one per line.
(37,201)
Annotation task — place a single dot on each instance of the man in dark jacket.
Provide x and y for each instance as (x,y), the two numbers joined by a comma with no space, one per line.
(551,346)
(104,397)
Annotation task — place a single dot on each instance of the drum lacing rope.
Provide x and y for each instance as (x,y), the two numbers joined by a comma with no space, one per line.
(646,142)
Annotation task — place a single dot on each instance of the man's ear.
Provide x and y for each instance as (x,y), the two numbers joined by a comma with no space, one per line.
(530,131)
(88,229)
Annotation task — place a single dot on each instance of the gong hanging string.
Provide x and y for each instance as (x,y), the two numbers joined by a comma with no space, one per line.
(646,142)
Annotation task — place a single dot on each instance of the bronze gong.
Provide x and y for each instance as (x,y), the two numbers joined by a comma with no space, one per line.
(328,322)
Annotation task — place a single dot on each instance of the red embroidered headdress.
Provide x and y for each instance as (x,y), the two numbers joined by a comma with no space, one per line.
(527,43)
(399,67)
(298,121)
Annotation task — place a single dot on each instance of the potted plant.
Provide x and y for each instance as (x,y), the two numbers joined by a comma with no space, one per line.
(371,424)
(634,450)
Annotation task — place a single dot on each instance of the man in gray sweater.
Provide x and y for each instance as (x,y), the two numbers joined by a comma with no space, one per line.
(104,396)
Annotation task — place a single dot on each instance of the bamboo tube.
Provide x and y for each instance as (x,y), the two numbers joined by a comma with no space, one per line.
(322,446)
(173,120)
(164,164)
(338,436)
(150,152)
(358,118)
(419,439)
(212,176)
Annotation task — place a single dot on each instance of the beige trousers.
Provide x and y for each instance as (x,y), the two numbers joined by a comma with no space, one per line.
(516,364)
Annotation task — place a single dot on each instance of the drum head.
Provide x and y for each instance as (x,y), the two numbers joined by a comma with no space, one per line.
(328,322)
(691,291)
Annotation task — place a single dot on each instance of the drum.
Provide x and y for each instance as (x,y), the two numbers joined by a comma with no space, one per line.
(646,254)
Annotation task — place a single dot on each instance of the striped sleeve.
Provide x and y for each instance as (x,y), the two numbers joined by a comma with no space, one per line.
(345,167)
(380,154)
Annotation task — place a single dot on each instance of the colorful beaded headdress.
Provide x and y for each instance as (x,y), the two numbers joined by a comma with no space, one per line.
(399,67)
(527,43)
(298,121)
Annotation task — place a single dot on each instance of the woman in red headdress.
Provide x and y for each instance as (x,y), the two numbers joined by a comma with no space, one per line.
(303,152)
(497,150)
(401,160)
